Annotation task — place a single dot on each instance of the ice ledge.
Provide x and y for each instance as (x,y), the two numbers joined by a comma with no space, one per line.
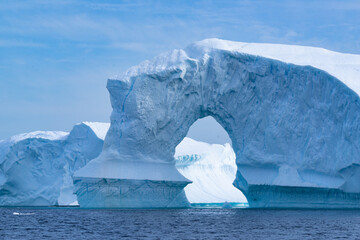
(126,193)
(266,196)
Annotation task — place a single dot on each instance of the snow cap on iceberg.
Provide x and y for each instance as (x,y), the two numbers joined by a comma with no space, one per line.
(345,67)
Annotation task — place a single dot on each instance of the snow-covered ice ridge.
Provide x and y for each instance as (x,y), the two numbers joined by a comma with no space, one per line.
(36,168)
(345,67)
(292,113)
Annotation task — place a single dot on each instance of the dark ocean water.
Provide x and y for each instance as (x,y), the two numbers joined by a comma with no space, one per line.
(60,223)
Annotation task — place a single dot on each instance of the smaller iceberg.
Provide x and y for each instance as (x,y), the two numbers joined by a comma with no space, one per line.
(36,168)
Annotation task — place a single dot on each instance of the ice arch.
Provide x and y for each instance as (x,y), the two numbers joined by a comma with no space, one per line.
(208,130)
(295,131)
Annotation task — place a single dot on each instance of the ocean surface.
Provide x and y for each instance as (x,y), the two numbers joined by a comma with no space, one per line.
(72,223)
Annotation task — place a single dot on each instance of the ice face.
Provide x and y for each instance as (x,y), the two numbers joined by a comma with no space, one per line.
(37,168)
(129,193)
(291,126)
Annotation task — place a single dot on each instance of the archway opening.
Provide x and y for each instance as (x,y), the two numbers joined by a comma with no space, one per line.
(206,157)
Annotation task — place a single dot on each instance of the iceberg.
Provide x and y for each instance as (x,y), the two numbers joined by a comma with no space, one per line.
(36,168)
(292,113)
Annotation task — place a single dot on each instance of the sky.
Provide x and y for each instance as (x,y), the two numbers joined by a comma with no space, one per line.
(56,56)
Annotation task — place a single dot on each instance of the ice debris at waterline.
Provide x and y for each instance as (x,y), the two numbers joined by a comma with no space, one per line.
(23,214)
(36,168)
(295,129)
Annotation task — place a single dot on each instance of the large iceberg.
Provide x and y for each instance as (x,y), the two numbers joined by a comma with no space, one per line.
(36,168)
(295,128)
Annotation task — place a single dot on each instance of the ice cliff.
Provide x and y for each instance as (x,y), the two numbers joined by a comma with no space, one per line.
(295,128)
(36,168)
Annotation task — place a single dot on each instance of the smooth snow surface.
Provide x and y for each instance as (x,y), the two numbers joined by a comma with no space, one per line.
(100,129)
